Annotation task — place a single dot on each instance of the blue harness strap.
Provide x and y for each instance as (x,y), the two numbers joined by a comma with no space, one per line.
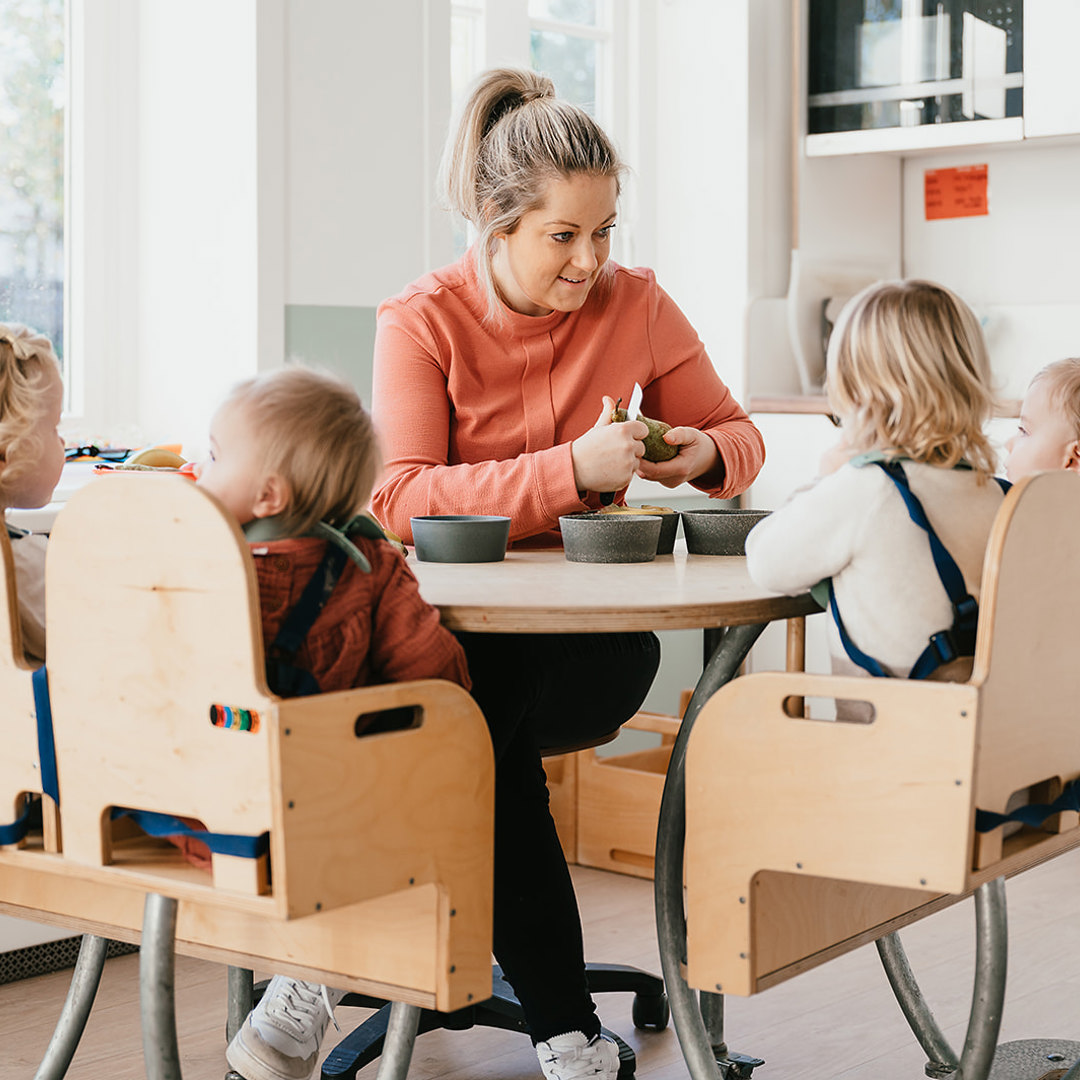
(50,782)
(283,675)
(13,833)
(946,645)
(1034,814)
(158,824)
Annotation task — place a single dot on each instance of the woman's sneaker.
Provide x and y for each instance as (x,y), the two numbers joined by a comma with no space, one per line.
(574,1057)
(280,1038)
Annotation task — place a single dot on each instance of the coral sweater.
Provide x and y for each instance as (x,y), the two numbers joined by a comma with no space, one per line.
(478,419)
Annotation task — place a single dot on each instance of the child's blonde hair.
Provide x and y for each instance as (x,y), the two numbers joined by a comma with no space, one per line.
(1063,383)
(908,371)
(25,359)
(513,138)
(312,430)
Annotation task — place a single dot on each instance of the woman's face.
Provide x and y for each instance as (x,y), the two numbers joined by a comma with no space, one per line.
(552,259)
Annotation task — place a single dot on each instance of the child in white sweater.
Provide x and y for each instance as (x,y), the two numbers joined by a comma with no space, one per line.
(908,376)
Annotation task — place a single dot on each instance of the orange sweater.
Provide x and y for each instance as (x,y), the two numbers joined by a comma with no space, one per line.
(476,419)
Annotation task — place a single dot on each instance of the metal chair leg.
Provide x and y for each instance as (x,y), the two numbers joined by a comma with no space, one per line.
(400,1037)
(988,998)
(240,994)
(157,988)
(76,1010)
(988,995)
(695,1040)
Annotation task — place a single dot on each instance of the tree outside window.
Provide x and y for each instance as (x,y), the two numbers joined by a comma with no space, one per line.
(33,94)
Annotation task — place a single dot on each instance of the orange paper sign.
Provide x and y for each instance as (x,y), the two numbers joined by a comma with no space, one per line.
(953,193)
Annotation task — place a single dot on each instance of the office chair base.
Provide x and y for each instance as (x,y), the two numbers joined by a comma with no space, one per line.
(501,1010)
(1034,1059)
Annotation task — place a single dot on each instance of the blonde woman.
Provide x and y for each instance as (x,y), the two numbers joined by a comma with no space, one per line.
(909,378)
(31,460)
(495,379)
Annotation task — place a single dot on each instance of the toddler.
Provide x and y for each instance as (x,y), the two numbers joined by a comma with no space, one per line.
(293,459)
(31,458)
(1048,435)
(908,376)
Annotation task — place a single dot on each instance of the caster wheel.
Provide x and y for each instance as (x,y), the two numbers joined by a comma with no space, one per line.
(651,1012)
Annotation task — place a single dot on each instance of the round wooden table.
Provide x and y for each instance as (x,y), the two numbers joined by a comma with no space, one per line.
(542,592)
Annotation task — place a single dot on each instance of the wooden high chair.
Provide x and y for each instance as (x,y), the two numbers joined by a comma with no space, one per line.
(806,838)
(377,876)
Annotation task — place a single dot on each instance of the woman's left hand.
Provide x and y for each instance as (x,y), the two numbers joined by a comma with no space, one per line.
(697,455)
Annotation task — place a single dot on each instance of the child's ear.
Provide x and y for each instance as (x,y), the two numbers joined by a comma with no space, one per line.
(273,496)
(1072,456)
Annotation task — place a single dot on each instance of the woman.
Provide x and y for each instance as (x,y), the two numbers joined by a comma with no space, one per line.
(495,379)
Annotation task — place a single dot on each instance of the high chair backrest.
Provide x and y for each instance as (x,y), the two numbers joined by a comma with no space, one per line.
(19,767)
(1026,664)
(153,633)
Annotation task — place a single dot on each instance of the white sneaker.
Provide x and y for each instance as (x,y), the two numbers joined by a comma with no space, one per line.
(280,1038)
(573,1057)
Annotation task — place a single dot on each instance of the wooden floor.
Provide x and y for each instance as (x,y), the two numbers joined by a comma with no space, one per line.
(838,1022)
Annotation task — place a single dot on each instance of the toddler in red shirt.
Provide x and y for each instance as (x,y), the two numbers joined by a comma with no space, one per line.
(293,458)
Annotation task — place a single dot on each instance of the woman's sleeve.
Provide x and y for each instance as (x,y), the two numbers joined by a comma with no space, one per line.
(811,537)
(407,639)
(687,392)
(411,408)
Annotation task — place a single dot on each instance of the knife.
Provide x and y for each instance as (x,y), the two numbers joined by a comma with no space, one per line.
(632,410)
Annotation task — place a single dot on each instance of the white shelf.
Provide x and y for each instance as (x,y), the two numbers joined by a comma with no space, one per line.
(929,137)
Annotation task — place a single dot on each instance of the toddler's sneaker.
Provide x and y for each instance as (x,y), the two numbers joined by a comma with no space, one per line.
(280,1037)
(573,1057)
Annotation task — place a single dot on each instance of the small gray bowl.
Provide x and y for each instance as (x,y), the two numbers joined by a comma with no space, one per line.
(460,537)
(610,538)
(719,532)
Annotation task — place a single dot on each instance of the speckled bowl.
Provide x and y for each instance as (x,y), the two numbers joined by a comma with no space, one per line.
(460,538)
(719,532)
(610,538)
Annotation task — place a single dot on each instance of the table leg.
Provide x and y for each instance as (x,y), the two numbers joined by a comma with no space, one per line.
(696,1042)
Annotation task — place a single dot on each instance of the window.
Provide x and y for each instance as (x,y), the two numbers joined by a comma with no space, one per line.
(33,104)
(584,46)
(570,40)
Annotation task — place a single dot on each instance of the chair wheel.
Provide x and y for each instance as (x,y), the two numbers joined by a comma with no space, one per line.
(651,1011)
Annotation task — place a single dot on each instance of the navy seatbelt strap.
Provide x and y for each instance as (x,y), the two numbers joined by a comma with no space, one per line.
(13,833)
(50,782)
(158,824)
(1034,814)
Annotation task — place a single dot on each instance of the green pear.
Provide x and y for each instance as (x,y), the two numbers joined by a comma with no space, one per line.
(655,447)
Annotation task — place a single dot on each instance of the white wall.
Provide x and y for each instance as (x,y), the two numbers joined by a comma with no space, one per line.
(702,183)
(197,211)
(368,106)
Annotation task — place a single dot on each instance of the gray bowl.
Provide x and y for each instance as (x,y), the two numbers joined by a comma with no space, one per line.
(610,538)
(460,537)
(719,532)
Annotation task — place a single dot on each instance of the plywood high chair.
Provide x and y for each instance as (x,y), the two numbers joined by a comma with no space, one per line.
(377,872)
(806,838)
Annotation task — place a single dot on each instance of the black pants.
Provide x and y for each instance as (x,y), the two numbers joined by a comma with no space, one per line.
(539,691)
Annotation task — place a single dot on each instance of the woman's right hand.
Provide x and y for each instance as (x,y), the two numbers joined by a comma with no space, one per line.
(606,456)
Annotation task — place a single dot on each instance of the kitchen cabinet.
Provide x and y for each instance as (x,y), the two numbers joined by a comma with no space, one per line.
(904,75)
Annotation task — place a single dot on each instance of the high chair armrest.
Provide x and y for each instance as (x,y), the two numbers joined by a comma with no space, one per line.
(907,774)
(359,816)
(889,802)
